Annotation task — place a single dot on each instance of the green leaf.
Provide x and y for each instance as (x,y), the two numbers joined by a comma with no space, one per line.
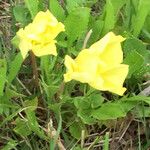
(137,99)
(117,4)
(76,23)
(57,10)
(10,117)
(96,26)
(135,62)
(22,127)
(81,102)
(3,70)
(33,6)
(83,105)
(109,20)
(6,105)
(134,44)
(109,111)
(142,12)
(12,94)
(10,145)
(76,129)
(50,91)
(14,67)
(22,15)
(96,100)
(71,5)
(31,117)
(86,116)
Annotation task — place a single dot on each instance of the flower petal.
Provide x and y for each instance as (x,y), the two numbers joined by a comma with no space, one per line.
(24,48)
(114,79)
(47,49)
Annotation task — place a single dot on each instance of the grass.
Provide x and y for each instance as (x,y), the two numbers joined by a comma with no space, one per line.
(46,114)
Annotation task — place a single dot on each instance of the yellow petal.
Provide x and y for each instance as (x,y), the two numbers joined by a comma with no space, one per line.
(45,17)
(87,61)
(97,83)
(109,38)
(112,55)
(114,78)
(83,77)
(118,90)
(47,49)
(100,45)
(69,63)
(51,32)
(24,48)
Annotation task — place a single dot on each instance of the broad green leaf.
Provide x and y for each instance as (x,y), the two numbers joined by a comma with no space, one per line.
(96,100)
(14,67)
(22,15)
(33,6)
(96,26)
(146,26)
(142,12)
(117,4)
(84,108)
(81,103)
(135,62)
(86,116)
(127,13)
(3,70)
(128,105)
(57,10)
(71,5)
(109,17)
(76,23)
(109,111)
(76,129)
(137,45)
(131,44)
(22,127)
(142,71)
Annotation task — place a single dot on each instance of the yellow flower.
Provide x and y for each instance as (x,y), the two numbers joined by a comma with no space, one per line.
(39,35)
(100,65)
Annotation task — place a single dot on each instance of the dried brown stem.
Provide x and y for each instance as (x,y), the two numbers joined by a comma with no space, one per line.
(86,39)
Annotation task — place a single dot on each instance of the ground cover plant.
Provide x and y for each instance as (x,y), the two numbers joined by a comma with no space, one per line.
(74,74)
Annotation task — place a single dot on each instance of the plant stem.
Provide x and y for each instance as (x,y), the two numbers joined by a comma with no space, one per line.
(35,69)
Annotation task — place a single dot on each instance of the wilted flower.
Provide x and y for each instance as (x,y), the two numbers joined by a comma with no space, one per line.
(100,65)
(39,35)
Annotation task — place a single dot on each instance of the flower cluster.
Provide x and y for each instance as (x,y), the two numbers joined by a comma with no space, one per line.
(39,36)
(100,65)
